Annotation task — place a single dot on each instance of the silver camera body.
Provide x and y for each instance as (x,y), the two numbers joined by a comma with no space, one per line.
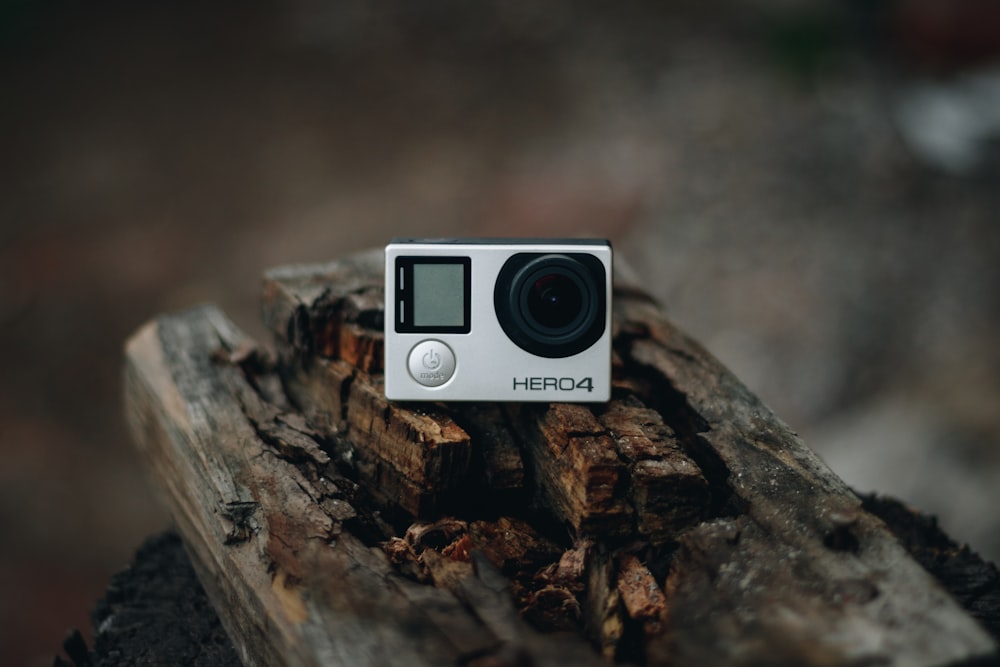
(498,320)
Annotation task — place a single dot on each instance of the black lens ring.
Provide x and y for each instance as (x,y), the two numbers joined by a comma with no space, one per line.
(524,283)
(511,299)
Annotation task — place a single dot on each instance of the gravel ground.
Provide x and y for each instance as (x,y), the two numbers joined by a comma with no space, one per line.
(748,165)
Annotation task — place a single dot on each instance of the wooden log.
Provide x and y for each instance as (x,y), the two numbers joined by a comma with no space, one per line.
(681,523)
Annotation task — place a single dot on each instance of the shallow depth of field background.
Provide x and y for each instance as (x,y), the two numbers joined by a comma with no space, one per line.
(809,188)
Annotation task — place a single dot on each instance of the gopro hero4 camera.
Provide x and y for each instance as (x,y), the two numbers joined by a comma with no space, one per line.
(498,320)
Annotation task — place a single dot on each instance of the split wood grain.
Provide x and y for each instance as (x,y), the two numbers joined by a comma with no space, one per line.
(272,528)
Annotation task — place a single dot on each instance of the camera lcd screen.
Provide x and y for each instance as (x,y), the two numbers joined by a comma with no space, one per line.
(433,294)
(438,295)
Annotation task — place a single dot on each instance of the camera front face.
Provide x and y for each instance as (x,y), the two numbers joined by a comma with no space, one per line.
(498,320)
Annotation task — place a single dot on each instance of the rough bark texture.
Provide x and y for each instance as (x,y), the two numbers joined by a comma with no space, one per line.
(681,523)
(155,612)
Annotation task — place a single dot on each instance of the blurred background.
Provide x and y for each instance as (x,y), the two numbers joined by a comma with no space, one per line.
(811,188)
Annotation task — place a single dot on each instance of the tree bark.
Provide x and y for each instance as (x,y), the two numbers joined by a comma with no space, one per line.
(680,523)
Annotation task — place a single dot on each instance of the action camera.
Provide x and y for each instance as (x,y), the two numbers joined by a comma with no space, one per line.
(498,320)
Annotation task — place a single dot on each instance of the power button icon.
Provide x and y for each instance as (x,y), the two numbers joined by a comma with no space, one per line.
(431,360)
(431,363)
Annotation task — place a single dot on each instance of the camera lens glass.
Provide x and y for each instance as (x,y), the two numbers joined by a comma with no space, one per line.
(554,301)
(552,305)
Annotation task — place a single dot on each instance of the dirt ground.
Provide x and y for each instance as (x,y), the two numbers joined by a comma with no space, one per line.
(750,165)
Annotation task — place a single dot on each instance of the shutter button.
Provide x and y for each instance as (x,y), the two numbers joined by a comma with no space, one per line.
(431,363)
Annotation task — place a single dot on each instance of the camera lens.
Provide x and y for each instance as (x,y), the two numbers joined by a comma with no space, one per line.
(554,301)
(552,305)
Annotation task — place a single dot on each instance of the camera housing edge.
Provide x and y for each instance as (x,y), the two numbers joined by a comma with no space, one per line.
(498,320)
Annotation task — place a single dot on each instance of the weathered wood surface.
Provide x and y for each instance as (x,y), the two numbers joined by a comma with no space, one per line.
(681,523)
(280,538)
(156,612)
